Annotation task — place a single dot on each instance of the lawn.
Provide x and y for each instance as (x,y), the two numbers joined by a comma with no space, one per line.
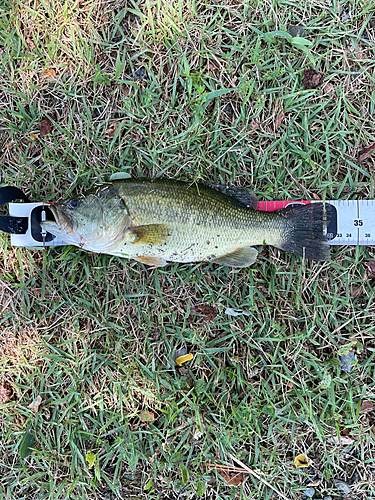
(197,91)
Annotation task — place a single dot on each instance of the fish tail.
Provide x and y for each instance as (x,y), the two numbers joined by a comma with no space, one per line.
(304,232)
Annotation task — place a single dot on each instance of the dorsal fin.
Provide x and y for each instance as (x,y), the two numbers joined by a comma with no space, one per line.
(240,196)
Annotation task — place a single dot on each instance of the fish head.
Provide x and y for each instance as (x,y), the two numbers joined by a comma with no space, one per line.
(93,221)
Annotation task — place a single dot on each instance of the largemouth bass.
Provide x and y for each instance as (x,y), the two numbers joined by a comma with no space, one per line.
(160,221)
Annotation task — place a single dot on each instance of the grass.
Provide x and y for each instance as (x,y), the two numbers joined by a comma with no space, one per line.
(193,90)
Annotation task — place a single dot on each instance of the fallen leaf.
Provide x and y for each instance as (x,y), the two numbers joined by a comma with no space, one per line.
(236,312)
(365,153)
(315,482)
(233,476)
(254,125)
(118,176)
(45,125)
(30,44)
(146,416)
(35,404)
(183,359)
(4,392)
(34,137)
(90,459)
(312,79)
(301,461)
(279,120)
(315,196)
(366,405)
(234,479)
(204,312)
(49,73)
(112,129)
(343,440)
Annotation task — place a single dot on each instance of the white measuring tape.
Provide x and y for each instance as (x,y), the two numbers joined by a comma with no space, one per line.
(355,222)
(33,237)
(352,222)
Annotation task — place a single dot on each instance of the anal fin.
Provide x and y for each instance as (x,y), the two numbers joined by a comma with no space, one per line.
(241,257)
(152,261)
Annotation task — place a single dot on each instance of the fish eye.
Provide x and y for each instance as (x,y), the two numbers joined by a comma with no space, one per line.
(73,204)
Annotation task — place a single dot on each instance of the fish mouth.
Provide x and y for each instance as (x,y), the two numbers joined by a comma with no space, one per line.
(63,223)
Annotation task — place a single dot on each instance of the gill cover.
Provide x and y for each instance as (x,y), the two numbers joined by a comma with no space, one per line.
(93,222)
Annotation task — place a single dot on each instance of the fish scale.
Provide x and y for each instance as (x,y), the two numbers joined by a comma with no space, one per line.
(203,224)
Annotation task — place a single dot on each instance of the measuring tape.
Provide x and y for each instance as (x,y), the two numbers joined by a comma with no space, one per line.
(33,236)
(350,222)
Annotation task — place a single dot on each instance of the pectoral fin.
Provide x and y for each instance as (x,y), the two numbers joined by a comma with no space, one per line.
(242,257)
(152,261)
(153,233)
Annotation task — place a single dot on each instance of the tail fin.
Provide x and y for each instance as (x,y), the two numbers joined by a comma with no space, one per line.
(304,231)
